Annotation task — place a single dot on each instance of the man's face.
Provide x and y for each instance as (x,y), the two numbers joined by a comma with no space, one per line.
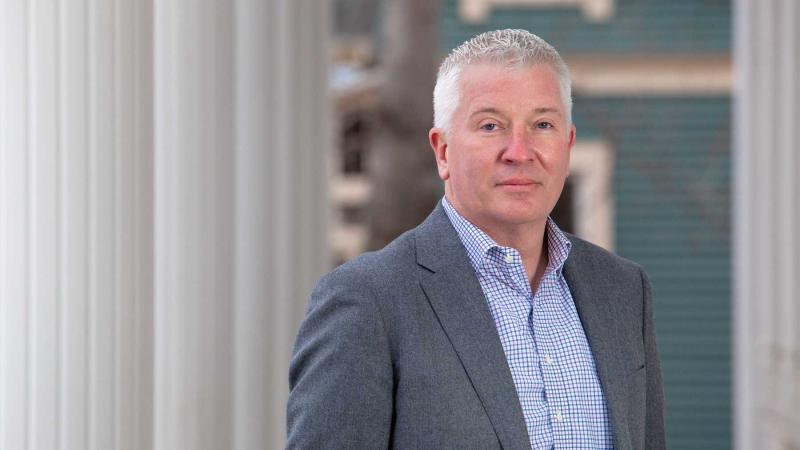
(506,155)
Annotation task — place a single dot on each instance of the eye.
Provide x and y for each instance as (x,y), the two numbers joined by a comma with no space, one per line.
(544,125)
(489,126)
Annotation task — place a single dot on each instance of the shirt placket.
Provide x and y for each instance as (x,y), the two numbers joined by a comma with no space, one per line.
(544,322)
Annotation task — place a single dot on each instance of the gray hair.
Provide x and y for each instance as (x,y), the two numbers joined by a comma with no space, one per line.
(511,48)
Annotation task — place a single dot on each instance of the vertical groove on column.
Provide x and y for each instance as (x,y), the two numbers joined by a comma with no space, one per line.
(795,99)
(124,360)
(144,221)
(773,283)
(91,210)
(788,240)
(30,350)
(60,232)
(63,227)
(310,103)
(766,168)
(5,102)
(161,352)
(121,298)
(743,252)
(73,118)
(47,225)
(273,422)
(88,247)
(762,99)
(28,195)
(770,284)
(15,226)
(223,213)
(283,256)
(786,193)
(115,256)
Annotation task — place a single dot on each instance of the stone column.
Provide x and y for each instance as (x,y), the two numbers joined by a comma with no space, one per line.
(766,222)
(162,218)
(240,143)
(75,225)
(283,141)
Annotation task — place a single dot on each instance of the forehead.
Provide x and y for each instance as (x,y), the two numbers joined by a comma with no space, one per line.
(533,87)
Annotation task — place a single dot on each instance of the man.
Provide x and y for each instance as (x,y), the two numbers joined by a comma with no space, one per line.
(486,326)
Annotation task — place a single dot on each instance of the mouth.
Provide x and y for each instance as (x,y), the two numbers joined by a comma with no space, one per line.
(518,186)
(518,182)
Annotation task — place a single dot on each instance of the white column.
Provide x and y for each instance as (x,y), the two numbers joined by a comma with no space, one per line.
(282,134)
(241,139)
(297,141)
(75,233)
(766,220)
(162,218)
(193,233)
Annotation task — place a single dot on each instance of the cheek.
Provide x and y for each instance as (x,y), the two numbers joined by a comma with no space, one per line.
(558,161)
(470,165)
(471,175)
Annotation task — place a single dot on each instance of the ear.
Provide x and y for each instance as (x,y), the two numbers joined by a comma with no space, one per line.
(570,145)
(572,132)
(438,142)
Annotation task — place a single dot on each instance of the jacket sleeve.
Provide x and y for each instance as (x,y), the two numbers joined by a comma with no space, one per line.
(654,421)
(340,375)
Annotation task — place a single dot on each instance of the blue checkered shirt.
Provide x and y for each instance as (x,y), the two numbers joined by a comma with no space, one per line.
(543,339)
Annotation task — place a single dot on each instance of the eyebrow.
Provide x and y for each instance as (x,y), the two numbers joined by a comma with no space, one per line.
(540,110)
(547,109)
(487,109)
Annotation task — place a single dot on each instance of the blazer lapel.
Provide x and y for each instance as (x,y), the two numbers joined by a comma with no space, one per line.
(448,280)
(599,317)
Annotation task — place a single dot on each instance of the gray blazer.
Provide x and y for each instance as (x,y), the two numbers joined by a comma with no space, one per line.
(399,350)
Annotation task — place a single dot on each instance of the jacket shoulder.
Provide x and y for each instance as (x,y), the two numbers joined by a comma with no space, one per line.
(594,257)
(375,271)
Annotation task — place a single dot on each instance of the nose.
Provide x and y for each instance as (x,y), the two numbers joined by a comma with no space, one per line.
(519,148)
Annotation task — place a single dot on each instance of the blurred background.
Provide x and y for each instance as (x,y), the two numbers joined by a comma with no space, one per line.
(176,174)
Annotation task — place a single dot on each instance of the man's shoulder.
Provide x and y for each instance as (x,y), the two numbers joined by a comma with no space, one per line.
(380,267)
(596,258)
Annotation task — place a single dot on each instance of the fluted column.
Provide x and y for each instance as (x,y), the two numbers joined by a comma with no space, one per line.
(162,218)
(75,225)
(241,141)
(194,154)
(766,220)
(283,141)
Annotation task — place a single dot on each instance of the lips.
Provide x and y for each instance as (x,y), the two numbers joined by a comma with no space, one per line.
(517,182)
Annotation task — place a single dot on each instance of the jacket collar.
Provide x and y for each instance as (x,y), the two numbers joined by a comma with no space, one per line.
(600,319)
(449,282)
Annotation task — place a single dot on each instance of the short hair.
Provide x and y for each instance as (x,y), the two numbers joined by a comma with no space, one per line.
(511,48)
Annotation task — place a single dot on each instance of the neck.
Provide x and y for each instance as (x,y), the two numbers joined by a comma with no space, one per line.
(527,238)
(530,241)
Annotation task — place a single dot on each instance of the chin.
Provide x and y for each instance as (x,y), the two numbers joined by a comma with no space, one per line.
(520,217)
(520,212)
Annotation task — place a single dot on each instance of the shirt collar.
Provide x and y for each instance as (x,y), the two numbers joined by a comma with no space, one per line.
(478,243)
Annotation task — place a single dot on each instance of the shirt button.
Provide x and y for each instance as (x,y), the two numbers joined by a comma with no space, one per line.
(548,360)
(559,417)
(509,259)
